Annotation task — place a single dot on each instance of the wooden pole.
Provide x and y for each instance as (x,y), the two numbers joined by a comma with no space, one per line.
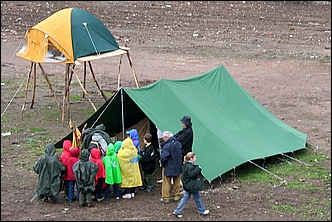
(132,69)
(68,88)
(64,95)
(50,86)
(83,89)
(119,78)
(34,85)
(26,87)
(84,76)
(94,77)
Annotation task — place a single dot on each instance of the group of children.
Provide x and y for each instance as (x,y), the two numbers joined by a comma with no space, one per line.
(93,169)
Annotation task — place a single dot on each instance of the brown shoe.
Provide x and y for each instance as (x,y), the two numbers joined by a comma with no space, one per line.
(91,204)
(82,205)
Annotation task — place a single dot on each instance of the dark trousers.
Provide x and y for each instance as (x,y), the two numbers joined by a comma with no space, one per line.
(148,180)
(116,191)
(98,192)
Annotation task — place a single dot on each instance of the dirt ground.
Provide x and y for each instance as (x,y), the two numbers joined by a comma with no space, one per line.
(279,51)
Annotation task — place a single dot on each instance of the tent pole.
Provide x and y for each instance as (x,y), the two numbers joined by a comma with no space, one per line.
(34,86)
(68,89)
(83,88)
(64,96)
(132,69)
(122,112)
(119,78)
(233,174)
(220,179)
(94,77)
(50,86)
(26,87)
(84,77)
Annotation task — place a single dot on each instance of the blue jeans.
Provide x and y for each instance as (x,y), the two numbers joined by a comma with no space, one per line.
(116,191)
(71,186)
(184,200)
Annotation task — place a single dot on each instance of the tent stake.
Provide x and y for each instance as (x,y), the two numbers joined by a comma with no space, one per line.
(313,146)
(265,170)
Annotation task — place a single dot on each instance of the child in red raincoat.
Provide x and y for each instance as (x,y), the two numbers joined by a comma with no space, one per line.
(100,176)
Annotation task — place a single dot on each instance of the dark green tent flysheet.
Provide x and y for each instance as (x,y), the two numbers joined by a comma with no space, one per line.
(230,126)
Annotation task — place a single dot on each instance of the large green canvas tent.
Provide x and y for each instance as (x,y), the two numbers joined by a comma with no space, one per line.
(230,126)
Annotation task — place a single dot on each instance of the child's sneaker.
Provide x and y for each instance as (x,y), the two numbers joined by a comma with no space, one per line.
(126,196)
(101,199)
(177,215)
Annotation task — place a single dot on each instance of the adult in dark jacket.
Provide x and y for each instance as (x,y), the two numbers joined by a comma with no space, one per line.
(171,163)
(185,136)
(85,173)
(49,169)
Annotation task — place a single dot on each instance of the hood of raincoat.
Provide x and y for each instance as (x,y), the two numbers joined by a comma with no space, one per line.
(66,145)
(95,153)
(110,149)
(133,134)
(117,146)
(74,152)
(50,149)
(85,155)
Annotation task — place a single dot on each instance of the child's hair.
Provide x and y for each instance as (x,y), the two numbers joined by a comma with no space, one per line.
(148,137)
(188,156)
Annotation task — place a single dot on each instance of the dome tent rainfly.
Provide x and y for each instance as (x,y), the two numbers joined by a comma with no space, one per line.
(230,127)
(70,36)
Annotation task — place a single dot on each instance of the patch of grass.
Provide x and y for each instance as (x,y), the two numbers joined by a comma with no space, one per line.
(325,59)
(76,97)
(36,129)
(108,94)
(285,208)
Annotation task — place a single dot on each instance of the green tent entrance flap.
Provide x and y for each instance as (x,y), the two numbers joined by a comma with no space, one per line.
(230,126)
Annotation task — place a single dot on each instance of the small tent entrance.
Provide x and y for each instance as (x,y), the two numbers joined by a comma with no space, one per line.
(70,36)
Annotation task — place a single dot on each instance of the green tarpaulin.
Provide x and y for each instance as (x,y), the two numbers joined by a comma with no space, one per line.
(230,126)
